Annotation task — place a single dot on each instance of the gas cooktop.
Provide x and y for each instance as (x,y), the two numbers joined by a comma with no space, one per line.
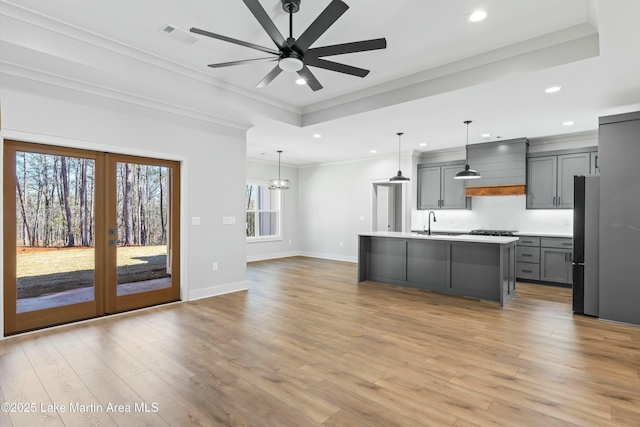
(504,233)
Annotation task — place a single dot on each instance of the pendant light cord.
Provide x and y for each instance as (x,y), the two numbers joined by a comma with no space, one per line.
(399,148)
(466,147)
(279,155)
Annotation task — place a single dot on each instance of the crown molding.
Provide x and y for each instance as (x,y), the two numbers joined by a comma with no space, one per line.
(22,72)
(31,17)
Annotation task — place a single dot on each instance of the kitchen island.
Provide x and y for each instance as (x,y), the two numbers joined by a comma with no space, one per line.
(475,266)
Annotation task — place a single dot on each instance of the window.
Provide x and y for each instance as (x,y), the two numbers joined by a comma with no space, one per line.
(263,213)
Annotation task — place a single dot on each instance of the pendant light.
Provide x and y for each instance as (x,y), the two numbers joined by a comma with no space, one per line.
(279,184)
(399,178)
(467,173)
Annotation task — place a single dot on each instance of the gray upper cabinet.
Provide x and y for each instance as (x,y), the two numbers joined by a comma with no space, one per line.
(452,190)
(570,165)
(542,176)
(550,179)
(595,165)
(438,190)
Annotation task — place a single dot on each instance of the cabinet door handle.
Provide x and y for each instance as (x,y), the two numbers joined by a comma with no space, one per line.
(527,241)
(567,244)
(559,200)
(527,271)
(597,162)
(527,255)
(554,201)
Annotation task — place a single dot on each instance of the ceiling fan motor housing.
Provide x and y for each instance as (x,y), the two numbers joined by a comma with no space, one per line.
(291,5)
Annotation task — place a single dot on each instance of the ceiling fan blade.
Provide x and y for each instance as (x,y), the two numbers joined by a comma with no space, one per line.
(266,22)
(334,66)
(235,41)
(269,77)
(308,77)
(326,19)
(242,62)
(340,49)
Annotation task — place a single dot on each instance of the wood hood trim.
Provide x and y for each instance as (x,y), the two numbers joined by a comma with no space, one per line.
(496,190)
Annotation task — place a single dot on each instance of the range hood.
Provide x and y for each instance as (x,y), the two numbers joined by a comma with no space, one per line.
(502,165)
(496,190)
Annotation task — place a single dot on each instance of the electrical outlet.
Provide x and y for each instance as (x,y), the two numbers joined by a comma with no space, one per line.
(289,241)
(195,220)
(214,266)
(361,218)
(340,243)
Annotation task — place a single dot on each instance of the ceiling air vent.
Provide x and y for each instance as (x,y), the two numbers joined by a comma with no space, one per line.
(178,34)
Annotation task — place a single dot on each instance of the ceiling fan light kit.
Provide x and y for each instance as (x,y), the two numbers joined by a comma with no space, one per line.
(296,55)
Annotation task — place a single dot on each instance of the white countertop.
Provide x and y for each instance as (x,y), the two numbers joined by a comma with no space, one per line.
(460,238)
(543,234)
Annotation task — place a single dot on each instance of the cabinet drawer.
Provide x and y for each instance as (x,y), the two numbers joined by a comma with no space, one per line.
(528,241)
(528,254)
(556,242)
(526,270)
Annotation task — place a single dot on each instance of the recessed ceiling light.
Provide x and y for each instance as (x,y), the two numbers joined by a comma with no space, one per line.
(568,123)
(553,89)
(477,16)
(374,151)
(486,135)
(301,82)
(317,135)
(423,144)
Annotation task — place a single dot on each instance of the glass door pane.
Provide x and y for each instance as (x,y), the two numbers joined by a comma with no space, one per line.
(54,206)
(143,228)
(55,230)
(144,238)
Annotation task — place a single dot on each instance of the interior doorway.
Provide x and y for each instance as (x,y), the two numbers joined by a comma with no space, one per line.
(95,233)
(389,207)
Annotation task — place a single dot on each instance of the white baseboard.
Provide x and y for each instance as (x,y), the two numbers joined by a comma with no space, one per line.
(329,256)
(217,290)
(264,257)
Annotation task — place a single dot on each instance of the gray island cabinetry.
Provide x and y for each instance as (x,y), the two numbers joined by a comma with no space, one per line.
(475,266)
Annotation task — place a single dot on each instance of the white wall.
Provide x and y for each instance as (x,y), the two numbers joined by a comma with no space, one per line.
(289,245)
(335,204)
(213,166)
(499,213)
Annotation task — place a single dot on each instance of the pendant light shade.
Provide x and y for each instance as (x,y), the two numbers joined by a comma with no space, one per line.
(279,184)
(399,178)
(467,173)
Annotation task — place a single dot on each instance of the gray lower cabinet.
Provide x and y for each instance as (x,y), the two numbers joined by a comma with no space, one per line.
(550,179)
(474,269)
(438,190)
(546,259)
(555,265)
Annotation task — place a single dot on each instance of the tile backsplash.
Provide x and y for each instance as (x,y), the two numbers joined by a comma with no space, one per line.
(500,213)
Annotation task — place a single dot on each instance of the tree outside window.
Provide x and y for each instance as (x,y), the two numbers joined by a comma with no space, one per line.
(263,212)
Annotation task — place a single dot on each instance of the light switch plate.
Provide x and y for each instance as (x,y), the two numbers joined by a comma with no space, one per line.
(227,220)
(195,220)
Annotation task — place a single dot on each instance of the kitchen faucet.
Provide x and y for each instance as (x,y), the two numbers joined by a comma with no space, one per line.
(434,220)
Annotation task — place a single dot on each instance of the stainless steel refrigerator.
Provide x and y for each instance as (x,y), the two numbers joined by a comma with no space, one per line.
(586,226)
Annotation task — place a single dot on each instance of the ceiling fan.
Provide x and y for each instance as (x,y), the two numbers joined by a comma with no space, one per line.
(296,54)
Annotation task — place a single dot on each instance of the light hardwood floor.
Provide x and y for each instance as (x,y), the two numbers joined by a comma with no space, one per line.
(308,346)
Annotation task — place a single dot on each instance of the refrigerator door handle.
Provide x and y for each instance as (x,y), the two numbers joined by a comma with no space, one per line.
(578,263)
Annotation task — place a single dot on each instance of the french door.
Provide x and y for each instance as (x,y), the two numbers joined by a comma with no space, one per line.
(95,233)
